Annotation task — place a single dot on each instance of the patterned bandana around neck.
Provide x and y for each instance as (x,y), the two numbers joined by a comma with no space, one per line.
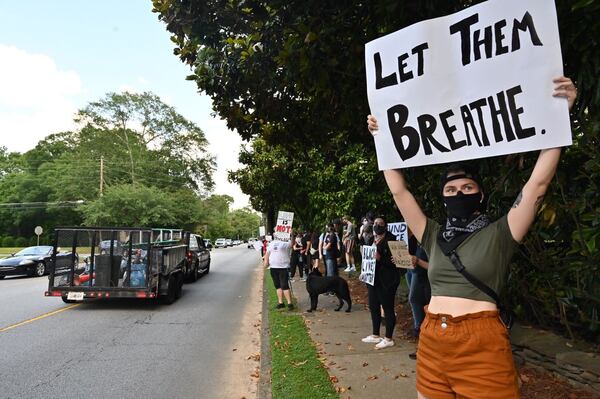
(454,233)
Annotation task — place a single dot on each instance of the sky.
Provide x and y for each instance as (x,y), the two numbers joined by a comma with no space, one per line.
(57,56)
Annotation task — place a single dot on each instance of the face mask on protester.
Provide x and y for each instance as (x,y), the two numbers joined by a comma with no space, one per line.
(462,206)
(379,229)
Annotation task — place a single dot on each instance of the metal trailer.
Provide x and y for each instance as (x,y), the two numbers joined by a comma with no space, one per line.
(117,262)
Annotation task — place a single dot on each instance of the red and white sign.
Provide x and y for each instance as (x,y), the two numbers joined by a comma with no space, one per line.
(283,228)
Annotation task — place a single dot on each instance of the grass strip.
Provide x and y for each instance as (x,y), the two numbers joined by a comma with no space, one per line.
(296,372)
(9,250)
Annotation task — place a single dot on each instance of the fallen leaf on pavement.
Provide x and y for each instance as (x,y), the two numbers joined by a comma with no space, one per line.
(524,378)
(385,369)
(365,364)
(400,375)
(333,379)
(234,349)
(372,377)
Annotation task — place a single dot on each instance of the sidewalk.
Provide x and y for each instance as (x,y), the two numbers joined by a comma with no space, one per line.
(357,369)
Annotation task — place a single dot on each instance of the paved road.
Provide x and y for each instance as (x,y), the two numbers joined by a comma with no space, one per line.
(125,348)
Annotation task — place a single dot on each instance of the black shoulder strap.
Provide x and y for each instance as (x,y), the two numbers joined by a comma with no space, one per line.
(472,279)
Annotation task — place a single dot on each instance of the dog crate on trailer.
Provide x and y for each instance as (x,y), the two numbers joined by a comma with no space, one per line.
(117,263)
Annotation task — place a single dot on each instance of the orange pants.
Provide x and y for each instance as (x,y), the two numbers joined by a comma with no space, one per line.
(465,357)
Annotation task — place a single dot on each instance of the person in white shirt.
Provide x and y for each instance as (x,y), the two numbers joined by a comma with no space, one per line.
(278,259)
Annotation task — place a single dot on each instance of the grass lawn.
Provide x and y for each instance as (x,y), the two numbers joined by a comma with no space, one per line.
(7,251)
(296,372)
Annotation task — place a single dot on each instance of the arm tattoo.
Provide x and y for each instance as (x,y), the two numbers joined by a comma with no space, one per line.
(518,200)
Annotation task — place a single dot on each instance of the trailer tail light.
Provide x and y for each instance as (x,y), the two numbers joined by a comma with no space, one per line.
(152,295)
(106,295)
(53,293)
(141,294)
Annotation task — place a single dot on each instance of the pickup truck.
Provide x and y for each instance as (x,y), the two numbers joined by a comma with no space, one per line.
(119,262)
(198,258)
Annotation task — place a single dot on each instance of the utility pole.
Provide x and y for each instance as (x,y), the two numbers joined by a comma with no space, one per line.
(101,174)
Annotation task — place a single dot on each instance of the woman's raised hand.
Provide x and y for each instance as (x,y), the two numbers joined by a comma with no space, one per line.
(563,87)
(372,125)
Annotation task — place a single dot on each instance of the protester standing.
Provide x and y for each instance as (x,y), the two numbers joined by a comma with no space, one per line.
(296,257)
(349,238)
(277,258)
(419,291)
(382,293)
(315,253)
(305,253)
(464,350)
(330,250)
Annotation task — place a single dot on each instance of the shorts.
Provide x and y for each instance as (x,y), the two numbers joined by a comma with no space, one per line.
(349,244)
(280,278)
(465,357)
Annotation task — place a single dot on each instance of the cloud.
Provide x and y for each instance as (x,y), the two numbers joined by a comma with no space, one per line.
(225,145)
(36,98)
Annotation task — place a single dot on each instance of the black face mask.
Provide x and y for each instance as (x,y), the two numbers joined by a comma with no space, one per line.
(462,206)
(379,229)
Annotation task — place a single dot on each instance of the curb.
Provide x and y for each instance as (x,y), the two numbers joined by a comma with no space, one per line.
(264,382)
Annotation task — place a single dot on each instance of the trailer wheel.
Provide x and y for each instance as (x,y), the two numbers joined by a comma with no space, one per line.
(171,291)
(179,286)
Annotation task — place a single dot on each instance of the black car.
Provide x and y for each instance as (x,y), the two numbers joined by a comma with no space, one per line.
(198,258)
(34,261)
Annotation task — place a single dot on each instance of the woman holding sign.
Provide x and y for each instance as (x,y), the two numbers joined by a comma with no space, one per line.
(382,291)
(464,349)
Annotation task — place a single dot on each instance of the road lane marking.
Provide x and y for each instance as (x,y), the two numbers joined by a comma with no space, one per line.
(38,317)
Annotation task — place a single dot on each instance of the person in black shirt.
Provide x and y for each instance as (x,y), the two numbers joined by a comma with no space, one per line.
(383,292)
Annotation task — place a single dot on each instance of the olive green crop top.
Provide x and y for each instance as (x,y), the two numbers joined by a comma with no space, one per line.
(485,254)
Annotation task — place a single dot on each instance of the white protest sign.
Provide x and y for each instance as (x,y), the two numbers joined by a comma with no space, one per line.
(283,228)
(367,267)
(262,231)
(474,84)
(399,230)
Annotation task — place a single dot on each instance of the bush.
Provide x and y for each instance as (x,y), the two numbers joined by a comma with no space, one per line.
(21,242)
(8,242)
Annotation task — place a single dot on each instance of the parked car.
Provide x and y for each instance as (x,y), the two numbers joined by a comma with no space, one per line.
(34,261)
(251,242)
(198,258)
(208,244)
(229,242)
(221,243)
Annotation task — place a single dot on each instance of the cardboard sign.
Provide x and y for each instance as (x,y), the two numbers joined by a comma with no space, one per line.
(400,254)
(367,267)
(400,230)
(474,84)
(283,228)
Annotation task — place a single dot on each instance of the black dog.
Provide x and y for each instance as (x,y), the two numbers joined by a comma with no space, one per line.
(316,284)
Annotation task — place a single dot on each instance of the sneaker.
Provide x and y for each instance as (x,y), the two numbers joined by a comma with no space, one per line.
(347,269)
(384,343)
(290,306)
(280,306)
(352,268)
(292,280)
(371,339)
(303,279)
(413,355)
